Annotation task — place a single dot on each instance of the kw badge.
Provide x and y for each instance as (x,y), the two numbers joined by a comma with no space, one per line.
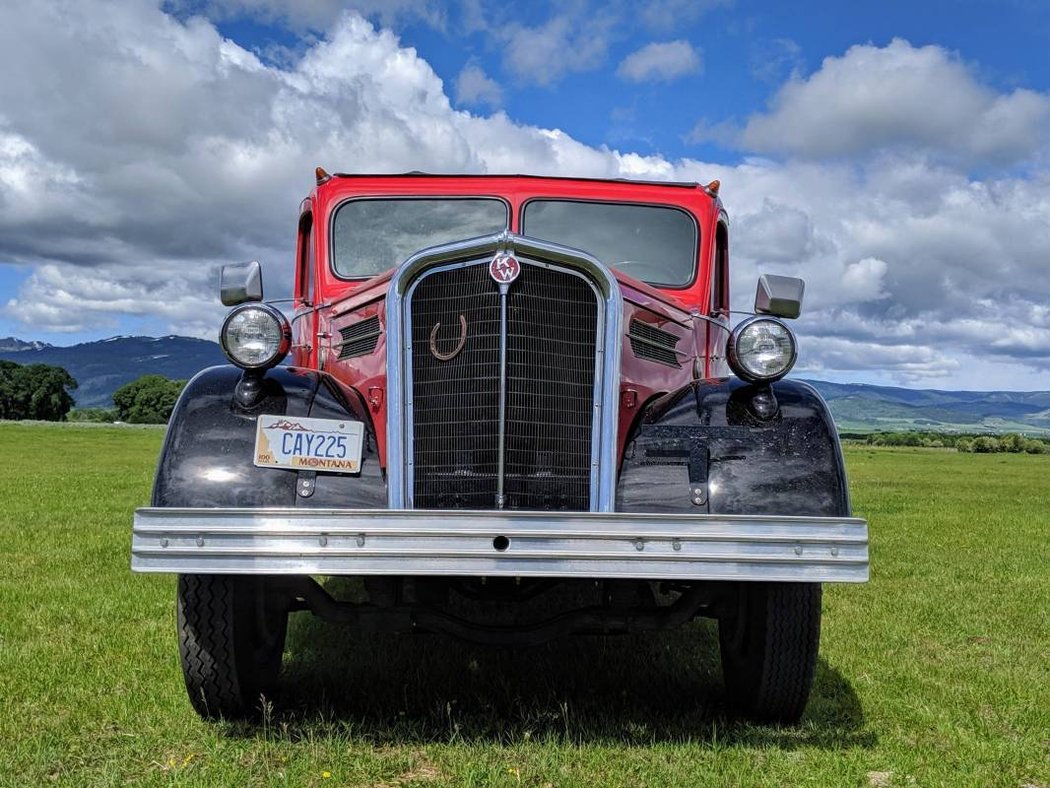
(504,269)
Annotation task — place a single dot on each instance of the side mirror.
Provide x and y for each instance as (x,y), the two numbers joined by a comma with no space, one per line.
(780,296)
(240,283)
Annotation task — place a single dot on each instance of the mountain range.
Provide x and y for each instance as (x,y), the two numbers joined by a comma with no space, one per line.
(102,367)
(12,345)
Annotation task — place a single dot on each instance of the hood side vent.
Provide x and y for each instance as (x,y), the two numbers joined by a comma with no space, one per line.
(654,344)
(360,339)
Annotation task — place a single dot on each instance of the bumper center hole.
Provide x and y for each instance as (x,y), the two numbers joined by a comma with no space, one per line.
(501,543)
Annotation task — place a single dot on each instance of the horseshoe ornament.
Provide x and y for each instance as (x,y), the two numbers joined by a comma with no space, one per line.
(459,345)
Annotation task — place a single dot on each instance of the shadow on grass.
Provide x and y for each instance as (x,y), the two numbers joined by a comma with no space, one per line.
(661,687)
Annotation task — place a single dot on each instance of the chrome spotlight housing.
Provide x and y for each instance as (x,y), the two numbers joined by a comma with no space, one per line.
(255,336)
(761,349)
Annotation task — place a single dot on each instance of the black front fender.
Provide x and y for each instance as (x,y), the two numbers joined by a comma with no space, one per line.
(727,447)
(207,457)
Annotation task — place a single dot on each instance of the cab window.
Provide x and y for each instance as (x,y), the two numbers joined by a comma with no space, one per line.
(306,262)
(370,236)
(720,273)
(654,243)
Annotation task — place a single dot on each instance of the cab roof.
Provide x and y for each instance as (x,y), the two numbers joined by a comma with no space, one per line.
(419,174)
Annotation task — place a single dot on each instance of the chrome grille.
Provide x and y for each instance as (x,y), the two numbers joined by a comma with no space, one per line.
(552,333)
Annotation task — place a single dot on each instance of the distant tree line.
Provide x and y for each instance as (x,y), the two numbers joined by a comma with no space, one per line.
(42,392)
(35,391)
(1012,443)
(93,415)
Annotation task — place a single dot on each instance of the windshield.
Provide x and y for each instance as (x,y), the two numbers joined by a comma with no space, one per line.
(654,243)
(372,236)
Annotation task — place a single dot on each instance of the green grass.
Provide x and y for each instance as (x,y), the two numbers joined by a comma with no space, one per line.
(935,673)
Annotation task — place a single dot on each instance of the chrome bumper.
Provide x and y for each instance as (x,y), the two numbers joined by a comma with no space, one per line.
(514,544)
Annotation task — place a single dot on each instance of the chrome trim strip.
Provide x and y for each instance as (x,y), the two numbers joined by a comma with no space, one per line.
(604,461)
(539,544)
(501,457)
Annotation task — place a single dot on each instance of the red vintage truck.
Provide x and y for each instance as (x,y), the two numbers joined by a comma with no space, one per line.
(523,391)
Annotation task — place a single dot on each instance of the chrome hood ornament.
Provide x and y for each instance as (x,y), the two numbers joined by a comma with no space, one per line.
(504,268)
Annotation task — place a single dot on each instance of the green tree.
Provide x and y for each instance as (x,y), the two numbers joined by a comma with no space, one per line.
(35,391)
(148,400)
(1012,443)
(1037,447)
(986,444)
(8,400)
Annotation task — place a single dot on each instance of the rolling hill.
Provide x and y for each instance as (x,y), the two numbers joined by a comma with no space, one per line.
(863,408)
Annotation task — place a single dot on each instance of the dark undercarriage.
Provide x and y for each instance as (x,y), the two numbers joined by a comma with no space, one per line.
(502,611)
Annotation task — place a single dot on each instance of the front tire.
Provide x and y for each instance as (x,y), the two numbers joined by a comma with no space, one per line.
(769,641)
(231,638)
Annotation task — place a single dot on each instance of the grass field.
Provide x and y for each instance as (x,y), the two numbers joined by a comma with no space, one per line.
(935,673)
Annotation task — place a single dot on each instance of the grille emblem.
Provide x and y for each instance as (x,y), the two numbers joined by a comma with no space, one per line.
(504,269)
(459,345)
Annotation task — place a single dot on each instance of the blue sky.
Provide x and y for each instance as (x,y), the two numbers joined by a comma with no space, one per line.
(895,154)
(746,49)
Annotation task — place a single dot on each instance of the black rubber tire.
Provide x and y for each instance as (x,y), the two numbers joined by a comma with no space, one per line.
(231,638)
(769,643)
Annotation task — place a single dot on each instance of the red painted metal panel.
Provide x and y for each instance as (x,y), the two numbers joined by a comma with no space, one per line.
(341,302)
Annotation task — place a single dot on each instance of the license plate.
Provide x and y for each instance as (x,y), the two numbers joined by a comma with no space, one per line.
(324,445)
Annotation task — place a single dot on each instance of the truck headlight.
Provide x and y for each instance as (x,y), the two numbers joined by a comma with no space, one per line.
(761,349)
(255,336)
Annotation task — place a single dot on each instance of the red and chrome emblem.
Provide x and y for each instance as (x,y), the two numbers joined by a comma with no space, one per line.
(504,269)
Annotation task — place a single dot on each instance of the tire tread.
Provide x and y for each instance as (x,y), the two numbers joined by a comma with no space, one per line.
(771,682)
(207,645)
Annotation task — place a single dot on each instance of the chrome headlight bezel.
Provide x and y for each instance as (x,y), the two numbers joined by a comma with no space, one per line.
(736,363)
(284,330)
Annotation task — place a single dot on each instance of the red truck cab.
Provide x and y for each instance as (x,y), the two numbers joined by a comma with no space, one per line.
(679,327)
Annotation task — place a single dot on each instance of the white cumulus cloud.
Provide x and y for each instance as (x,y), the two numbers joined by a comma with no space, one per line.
(475,87)
(544,54)
(923,98)
(661,61)
(668,15)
